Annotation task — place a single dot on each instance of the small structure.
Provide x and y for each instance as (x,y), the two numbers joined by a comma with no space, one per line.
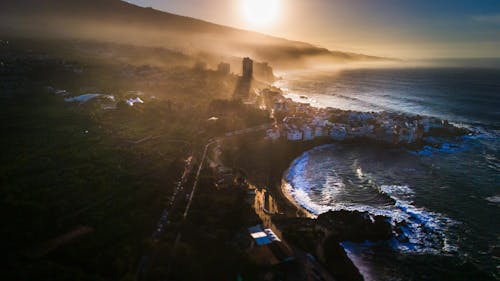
(132,101)
(200,66)
(273,134)
(307,133)
(280,106)
(294,134)
(224,68)
(338,132)
(87,97)
(264,72)
(260,236)
(319,131)
(267,248)
(247,68)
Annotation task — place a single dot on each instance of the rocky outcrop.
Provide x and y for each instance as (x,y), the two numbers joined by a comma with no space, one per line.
(355,226)
(338,263)
(324,235)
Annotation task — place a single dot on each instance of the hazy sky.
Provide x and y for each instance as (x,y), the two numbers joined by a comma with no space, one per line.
(396,28)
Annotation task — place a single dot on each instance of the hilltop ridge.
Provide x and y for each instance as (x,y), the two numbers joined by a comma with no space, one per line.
(122,22)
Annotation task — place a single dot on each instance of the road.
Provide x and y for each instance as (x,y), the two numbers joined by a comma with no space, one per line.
(195,184)
(311,269)
(200,168)
(163,222)
(190,200)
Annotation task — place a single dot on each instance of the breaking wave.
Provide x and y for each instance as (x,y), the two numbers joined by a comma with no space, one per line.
(419,230)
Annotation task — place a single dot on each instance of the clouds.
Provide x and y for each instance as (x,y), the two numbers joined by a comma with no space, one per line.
(489,19)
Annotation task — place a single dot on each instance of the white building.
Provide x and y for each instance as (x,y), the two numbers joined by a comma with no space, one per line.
(338,132)
(131,101)
(307,133)
(360,116)
(273,134)
(303,108)
(429,123)
(408,135)
(318,121)
(320,131)
(280,106)
(293,134)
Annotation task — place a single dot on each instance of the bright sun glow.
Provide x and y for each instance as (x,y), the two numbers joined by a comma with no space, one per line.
(260,12)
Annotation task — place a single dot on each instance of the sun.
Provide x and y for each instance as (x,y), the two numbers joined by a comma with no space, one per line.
(260,12)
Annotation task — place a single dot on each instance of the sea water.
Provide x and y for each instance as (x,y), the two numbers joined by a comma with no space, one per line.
(447,195)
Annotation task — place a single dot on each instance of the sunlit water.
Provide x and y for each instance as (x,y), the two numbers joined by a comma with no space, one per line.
(448,195)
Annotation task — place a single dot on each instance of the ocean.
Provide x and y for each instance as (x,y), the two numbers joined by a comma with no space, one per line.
(448,195)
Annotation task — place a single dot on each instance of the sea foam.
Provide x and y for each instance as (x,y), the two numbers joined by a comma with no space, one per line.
(422,231)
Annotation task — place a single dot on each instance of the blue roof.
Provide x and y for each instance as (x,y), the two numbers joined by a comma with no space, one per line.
(263,241)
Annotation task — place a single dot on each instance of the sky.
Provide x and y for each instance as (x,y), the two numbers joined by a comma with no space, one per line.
(422,29)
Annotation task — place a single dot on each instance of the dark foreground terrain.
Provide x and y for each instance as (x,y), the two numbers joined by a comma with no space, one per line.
(85,183)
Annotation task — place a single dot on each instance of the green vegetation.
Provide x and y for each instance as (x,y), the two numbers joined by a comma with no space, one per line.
(83,184)
(214,238)
(60,169)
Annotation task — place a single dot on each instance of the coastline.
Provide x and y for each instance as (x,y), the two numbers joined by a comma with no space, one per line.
(289,198)
(454,261)
(357,129)
(266,163)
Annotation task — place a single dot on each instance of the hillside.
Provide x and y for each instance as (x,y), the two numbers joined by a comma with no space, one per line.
(121,22)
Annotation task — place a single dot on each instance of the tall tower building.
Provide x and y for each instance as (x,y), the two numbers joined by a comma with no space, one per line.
(247,68)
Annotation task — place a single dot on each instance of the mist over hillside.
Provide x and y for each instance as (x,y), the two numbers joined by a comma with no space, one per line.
(120,22)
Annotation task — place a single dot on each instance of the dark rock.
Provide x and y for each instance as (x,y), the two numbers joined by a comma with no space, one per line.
(339,264)
(495,251)
(356,226)
(469,271)
(400,233)
(447,132)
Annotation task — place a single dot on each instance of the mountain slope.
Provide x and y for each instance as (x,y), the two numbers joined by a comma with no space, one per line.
(121,22)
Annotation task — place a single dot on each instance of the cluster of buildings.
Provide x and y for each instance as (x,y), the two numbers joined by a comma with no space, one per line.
(224,68)
(302,122)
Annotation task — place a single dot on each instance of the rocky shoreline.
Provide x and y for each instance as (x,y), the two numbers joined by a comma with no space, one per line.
(322,235)
(327,231)
(325,234)
(318,235)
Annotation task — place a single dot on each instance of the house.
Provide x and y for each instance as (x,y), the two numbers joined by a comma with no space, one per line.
(320,131)
(360,116)
(224,68)
(280,106)
(133,101)
(267,248)
(317,121)
(430,123)
(293,134)
(338,132)
(303,108)
(273,134)
(260,236)
(307,133)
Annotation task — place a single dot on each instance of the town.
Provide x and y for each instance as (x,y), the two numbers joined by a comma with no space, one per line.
(297,121)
